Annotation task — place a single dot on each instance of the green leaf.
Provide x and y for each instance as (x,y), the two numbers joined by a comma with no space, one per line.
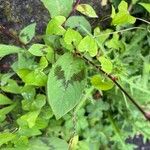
(8,49)
(28,92)
(36,77)
(76,22)
(39,102)
(25,60)
(88,44)
(123,16)
(58,7)
(29,132)
(39,49)
(4,100)
(115,43)
(69,47)
(146,6)
(55,26)
(6,137)
(11,87)
(28,119)
(101,36)
(27,33)
(66,82)
(101,83)
(87,10)
(72,37)
(43,63)
(7,109)
(48,143)
(106,64)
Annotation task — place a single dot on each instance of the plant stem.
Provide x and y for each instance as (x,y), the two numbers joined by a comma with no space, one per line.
(7,32)
(146,115)
(143,20)
(74,7)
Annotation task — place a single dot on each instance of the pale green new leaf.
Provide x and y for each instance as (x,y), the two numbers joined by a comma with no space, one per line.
(35,77)
(28,119)
(146,6)
(66,82)
(4,100)
(87,10)
(123,16)
(5,137)
(27,33)
(72,37)
(54,27)
(101,83)
(43,63)
(106,64)
(88,44)
(58,7)
(8,49)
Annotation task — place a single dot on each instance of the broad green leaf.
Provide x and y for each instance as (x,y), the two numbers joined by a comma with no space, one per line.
(123,16)
(87,10)
(72,37)
(76,22)
(5,137)
(58,7)
(106,64)
(7,109)
(54,27)
(101,83)
(4,100)
(11,86)
(48,143)
(146,6)
(36,77)
(8,49)
(40,49)
(66,82)
(88,44)
(28,119)
(27,33)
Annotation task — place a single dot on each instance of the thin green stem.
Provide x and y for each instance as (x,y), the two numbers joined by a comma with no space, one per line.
(124,30)
(143,20)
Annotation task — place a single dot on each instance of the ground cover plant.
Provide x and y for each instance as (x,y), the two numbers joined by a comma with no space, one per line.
(81,87)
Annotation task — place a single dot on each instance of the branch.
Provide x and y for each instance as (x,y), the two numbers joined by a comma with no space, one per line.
(8,33)
(146,115)
(74,8)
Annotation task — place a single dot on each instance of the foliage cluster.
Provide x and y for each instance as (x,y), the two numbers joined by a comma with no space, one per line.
(55,97)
